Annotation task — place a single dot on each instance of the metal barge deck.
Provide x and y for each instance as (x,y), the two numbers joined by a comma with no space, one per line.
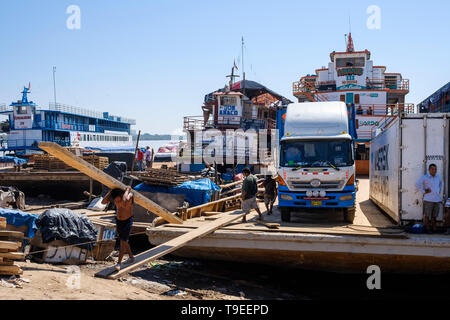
(317,242)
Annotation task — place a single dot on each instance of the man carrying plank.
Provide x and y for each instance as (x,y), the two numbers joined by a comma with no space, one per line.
(124,220)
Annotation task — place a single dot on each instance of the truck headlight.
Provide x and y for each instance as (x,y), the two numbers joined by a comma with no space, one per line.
(323,193)
(309,193)
(315,193)
(285,197)
(345,198)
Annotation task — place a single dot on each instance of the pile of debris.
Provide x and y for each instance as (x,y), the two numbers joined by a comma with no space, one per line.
(10,243)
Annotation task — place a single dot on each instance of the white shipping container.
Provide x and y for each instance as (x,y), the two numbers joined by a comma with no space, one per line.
(400,155)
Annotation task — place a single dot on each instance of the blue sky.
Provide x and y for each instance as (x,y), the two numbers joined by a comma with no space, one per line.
(154,60)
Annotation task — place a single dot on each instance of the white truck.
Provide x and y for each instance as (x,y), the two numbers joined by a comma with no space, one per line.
(315,163)
(400,155)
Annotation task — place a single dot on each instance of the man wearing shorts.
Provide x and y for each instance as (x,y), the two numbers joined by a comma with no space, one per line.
(431,186)
(124,220)
(270,193)
(249,190)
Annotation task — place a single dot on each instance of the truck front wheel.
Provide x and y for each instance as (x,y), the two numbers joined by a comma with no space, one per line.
(285,215)
(349,214)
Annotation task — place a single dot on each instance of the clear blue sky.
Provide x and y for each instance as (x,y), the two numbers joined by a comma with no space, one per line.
(154,60)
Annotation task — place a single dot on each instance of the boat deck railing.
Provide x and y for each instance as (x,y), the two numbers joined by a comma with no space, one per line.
(5,108)
(88,113)
(192,123)
(402,85)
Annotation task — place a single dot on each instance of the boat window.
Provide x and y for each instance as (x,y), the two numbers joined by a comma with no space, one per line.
(350,62)
(21,110)
(227,101)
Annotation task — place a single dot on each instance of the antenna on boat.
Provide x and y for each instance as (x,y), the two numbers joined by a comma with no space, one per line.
(243,69)
(232,76)
(54,84)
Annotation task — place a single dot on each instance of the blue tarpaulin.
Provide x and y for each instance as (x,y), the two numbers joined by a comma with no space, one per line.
(19,218)
(196,192)
(17,161)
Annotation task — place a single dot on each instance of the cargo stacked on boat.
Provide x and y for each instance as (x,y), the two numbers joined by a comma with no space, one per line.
(10,243)
(49,162)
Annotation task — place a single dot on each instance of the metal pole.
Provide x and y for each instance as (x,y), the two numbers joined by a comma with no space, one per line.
(54,84)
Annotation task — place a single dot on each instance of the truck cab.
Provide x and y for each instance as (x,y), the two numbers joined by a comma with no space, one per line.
(316,165)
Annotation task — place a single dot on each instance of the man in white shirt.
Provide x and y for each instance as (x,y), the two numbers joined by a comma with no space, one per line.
(431,186)
(148,158)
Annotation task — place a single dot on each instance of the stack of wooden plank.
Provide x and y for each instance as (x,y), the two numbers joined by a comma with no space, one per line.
(99,162)
(10,243)
(49,162)
(162,177)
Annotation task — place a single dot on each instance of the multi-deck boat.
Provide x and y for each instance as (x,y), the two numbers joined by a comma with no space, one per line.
(66,125)
(234,111)
(352,77)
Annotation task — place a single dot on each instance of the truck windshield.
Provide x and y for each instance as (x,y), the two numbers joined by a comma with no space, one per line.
(319,153)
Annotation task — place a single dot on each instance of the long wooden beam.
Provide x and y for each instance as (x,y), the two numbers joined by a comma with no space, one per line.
(88,169)
(171,245)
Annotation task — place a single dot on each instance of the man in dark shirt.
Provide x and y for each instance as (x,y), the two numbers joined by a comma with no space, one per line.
(270,193)
(249,190)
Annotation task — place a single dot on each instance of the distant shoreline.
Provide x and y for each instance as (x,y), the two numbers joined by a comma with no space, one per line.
(154,137)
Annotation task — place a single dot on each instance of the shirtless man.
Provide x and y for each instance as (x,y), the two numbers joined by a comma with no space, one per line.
(124,220)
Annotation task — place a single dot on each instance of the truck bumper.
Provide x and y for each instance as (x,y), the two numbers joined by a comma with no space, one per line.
(299,199)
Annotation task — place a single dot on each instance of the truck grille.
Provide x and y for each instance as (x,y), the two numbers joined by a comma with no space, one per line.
(323,185)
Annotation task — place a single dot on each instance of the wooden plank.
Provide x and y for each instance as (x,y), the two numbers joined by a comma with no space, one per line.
(2,223)
(172,245)
(12,255)
(9,245)
(10,270)
(96,174)
(11,234)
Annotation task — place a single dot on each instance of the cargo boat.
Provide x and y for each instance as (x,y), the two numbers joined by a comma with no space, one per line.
(352,77)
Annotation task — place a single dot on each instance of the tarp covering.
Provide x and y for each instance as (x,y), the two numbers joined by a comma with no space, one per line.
(196,192)
(67,225)
(17,161)
(19,218)
(252,89)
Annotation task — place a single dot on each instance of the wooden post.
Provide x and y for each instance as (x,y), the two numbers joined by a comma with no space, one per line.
(135,151)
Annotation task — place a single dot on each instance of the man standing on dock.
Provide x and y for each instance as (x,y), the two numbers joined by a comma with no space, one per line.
(270,192)
(249,190)
(148,157)
(124,220)
(431,186)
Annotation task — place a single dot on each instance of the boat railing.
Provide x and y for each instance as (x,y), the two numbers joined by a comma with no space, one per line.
(390,84)
(5,108)
(88,113)
(302,86)
(196,123)
(384,109)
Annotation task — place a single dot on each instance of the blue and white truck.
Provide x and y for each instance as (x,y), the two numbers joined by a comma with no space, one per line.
(315,158)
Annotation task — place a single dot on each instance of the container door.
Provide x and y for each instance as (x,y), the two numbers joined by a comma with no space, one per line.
(423,144)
